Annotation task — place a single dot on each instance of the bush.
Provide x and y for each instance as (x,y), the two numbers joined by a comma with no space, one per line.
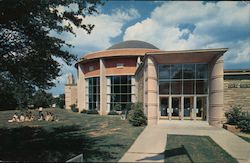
(92,111)
(244,123)
(118,107)
(113,113)
(74,108)
(136,116)
(84,111)
(233,115)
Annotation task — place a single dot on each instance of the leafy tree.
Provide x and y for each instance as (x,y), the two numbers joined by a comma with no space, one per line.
(27,48)
(42,99)
(59,101)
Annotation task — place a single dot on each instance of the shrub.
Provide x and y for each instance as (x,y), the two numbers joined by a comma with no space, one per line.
(92,111)
(136,116)
(233,115)
(244,123)
(118,107)
(84,111)
(74,108)
(113,113)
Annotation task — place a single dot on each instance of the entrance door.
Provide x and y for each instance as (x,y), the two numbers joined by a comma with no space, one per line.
(188,107)
(201,108)
(164,106)
(176,107)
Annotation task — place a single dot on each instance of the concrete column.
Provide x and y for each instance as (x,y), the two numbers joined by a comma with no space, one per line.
(216,94)
(103,89)
(151,91)
(81,89)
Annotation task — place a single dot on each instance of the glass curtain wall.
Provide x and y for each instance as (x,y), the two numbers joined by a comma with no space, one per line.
(93,93)
(120,91)
(187,81)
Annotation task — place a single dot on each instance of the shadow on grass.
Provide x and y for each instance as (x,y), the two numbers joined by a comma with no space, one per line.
(181,151)
(56,144)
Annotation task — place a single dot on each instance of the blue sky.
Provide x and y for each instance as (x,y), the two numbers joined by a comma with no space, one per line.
(167,25)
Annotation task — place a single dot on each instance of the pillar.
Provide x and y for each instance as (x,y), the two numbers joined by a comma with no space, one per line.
(103,89)
(81,89)
(151,91)
(216,94)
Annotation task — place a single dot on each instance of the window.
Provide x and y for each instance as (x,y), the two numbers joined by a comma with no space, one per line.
(93,93)
(183,79)
(119,92)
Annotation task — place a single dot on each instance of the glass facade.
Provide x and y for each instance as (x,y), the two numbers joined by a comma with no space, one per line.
(183,90)
(120,91)
(93,93)
(183,79)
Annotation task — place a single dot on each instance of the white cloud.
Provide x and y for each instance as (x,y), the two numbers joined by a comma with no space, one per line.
(221,24)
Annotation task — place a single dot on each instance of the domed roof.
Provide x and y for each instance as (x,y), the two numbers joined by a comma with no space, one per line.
(132,44)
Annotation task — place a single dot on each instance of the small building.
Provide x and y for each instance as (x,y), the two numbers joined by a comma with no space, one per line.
(181,85)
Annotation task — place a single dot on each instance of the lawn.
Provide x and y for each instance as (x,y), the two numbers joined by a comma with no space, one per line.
(99,138)
(185,148)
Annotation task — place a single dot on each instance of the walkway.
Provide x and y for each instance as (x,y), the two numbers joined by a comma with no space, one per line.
(150,145)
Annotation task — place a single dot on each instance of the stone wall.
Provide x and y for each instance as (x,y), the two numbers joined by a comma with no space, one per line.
(237,92)
(70,95)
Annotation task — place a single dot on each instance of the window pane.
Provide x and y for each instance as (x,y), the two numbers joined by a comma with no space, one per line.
(176,87)
(201,71)
(116,80)
(124,89)
(129,88)
(164,87)
(188,87)
(188,71)
(129,80)
(176,71)
(116,89)
(164,71)
(124,80)
(124,98)
(201,87)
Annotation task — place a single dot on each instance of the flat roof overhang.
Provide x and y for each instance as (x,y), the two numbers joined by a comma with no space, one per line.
(186,56)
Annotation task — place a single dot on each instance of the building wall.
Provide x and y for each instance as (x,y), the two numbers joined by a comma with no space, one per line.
(237,92)
(88,72)
(70,95)
(129,66)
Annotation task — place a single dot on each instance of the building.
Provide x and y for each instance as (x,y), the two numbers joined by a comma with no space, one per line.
(183,85)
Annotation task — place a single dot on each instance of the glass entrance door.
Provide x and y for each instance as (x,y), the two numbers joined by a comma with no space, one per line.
(164,106)
(176,107)
(201,108)
(188,107)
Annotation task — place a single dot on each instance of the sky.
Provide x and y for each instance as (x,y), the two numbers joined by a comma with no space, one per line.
(169,26)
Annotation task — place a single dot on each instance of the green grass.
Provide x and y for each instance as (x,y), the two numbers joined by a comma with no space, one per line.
(245,138)
(99,138)
(185,148)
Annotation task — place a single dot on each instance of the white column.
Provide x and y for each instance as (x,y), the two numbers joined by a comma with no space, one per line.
(103,89)
(81,89)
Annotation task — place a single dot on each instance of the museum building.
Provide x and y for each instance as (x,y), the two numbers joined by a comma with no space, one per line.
(172,85)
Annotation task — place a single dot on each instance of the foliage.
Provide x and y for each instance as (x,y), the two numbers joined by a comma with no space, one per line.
(118,107)
(59,101)
(113,113)
(28,47)
(94,111)
(233,115)
(136,116)
(41,99)
(244,123)
(74,108)
(84,111)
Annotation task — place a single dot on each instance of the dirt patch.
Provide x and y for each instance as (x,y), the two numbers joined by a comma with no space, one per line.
(103,132)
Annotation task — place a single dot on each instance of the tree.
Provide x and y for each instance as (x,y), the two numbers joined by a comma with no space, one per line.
(27,48)
(59,101)
(41,99)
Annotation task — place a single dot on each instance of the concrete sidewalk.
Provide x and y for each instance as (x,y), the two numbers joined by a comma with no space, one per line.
(150,145)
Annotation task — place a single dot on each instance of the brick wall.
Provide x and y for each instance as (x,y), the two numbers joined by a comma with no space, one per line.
(237,92)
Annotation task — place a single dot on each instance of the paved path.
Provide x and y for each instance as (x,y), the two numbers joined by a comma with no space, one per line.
(150,145)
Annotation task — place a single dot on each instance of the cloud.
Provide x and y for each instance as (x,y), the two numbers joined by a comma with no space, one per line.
(106,28)
(198,25)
